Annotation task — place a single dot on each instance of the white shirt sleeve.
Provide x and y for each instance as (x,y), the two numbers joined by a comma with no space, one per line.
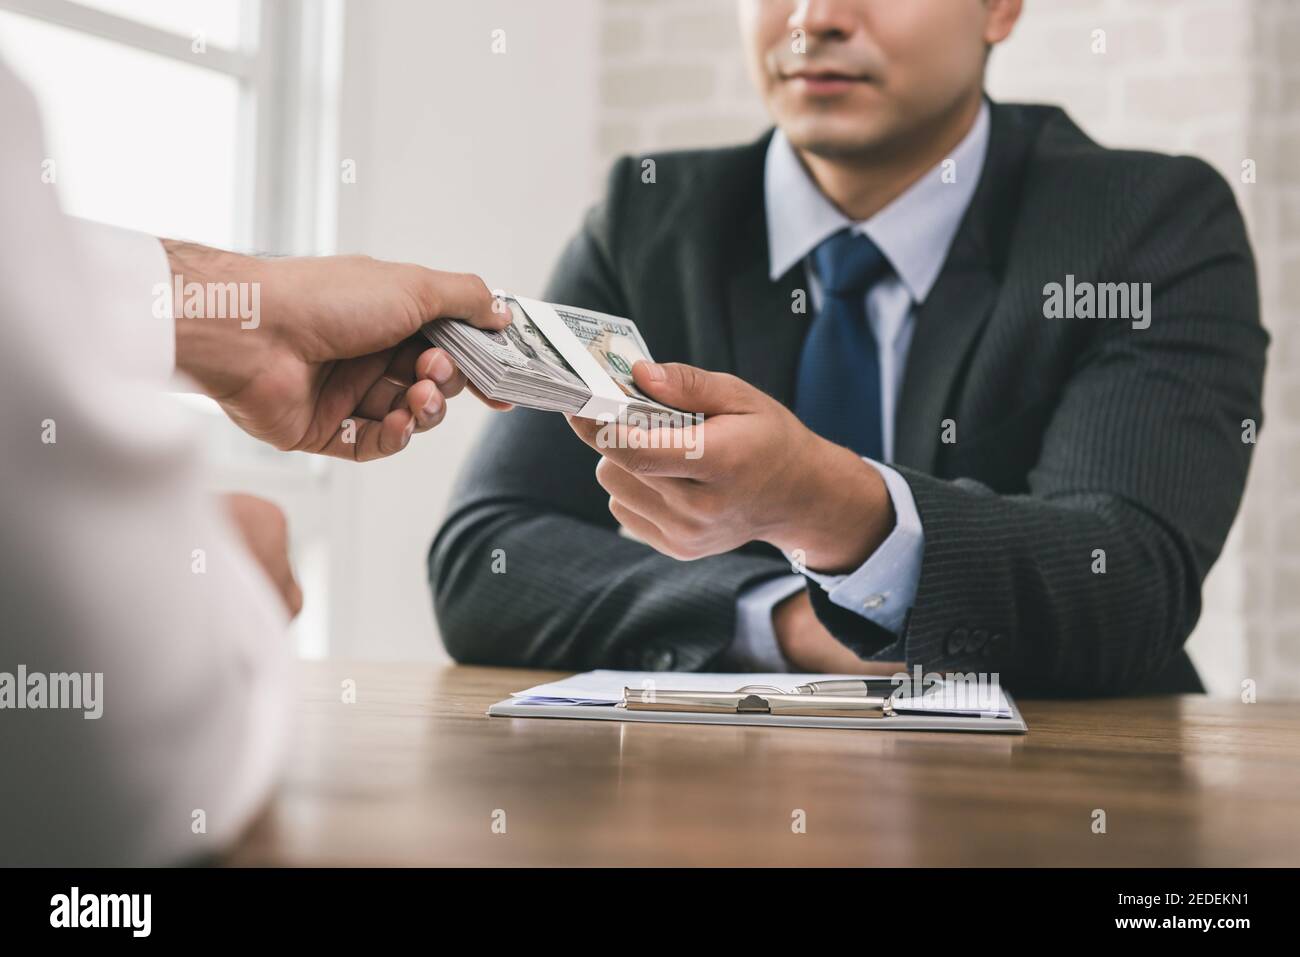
(128,267)
(755,646)
(115,561)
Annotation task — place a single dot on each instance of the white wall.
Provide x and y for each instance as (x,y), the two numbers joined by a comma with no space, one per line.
(468,160)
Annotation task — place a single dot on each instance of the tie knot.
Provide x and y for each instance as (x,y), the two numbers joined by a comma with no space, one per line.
(848,263)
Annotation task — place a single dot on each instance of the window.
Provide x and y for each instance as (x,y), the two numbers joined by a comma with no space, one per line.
(209,120)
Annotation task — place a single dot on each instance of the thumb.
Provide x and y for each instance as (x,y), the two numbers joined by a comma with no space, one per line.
(693,390)
(451,295)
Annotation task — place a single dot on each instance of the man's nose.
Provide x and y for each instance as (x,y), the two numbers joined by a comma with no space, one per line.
(826,18)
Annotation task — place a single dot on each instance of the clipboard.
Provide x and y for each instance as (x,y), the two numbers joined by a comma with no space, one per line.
(766,709)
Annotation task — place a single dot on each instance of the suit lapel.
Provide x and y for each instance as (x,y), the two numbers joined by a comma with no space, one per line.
(948,323)
(766,332)
(946,326)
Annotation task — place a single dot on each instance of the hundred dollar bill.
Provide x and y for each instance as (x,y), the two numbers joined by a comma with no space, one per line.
(521,366)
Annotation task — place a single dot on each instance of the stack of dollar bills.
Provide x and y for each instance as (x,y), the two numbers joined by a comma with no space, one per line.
(522,366)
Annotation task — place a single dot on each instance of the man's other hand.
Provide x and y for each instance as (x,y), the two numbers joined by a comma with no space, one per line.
(265,532)
(808,646)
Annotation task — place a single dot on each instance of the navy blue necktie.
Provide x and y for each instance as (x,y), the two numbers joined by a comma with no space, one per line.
(837,394)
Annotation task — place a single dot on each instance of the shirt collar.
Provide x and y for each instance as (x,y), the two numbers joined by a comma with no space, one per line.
(914,231)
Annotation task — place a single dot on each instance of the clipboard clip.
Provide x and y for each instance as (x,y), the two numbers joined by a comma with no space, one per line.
(745,701)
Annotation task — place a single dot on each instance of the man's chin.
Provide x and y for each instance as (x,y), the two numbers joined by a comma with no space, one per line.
(832,139)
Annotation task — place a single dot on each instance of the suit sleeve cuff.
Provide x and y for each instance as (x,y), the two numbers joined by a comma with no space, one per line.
(755,647)
(883,588)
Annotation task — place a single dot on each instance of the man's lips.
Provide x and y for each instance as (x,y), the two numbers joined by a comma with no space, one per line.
(824,82)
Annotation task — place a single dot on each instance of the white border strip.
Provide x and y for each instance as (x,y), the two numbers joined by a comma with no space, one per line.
(607,400)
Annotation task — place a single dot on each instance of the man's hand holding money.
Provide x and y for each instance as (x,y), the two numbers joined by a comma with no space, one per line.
(762,476)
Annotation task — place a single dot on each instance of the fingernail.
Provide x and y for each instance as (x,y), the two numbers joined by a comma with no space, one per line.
(654,372)
(442,369)
(434,403)
(408,432)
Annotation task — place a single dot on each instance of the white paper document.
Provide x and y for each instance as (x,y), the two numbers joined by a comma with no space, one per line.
(605,689)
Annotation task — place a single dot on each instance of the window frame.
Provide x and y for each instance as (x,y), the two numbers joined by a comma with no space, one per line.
(287,66)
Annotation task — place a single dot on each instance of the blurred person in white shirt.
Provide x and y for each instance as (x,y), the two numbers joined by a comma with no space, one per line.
(115,561)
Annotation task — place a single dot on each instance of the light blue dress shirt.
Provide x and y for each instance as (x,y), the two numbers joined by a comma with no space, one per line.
(914,232)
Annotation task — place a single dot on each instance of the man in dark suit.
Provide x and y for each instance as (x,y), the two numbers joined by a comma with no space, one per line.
(992,398)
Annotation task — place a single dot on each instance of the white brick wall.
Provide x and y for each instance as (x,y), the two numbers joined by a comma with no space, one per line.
(672,76)
(1216,78)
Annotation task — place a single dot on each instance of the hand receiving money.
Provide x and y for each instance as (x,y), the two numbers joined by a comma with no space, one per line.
(764,476)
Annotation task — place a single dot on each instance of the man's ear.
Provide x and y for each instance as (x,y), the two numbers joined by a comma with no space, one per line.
(1000,20)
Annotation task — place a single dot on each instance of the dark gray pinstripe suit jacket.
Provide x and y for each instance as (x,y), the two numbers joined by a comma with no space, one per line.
(1071,434)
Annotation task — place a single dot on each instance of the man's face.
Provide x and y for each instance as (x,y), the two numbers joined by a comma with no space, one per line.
(854,77)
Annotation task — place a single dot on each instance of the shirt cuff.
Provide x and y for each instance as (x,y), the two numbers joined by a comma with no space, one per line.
(883,588)
(755,647)
(133,293)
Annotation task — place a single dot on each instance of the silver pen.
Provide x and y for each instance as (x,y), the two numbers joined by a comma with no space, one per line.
(850,686)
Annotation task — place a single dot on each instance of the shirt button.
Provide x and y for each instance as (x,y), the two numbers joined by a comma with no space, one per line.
(875,601)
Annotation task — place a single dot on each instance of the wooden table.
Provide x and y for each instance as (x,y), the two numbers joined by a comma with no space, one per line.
(414,773)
